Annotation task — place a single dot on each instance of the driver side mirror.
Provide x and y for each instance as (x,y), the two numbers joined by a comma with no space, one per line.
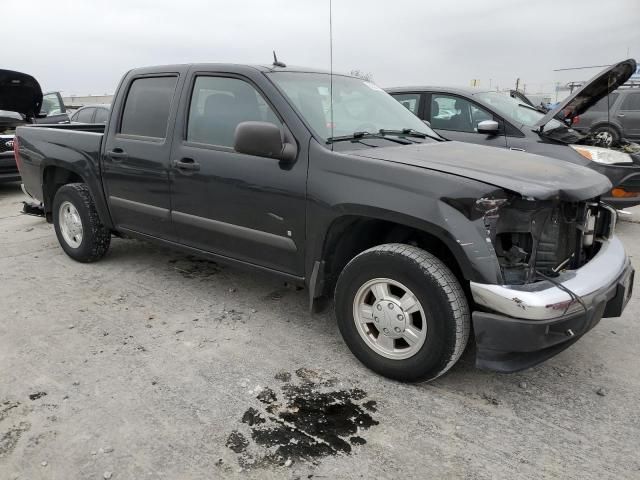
(263,139)
(490,127)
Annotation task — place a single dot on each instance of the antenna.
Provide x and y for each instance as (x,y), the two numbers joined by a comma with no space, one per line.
(277,63)
(331,67)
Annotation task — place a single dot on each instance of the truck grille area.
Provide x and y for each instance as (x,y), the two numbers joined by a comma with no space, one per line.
(533,239)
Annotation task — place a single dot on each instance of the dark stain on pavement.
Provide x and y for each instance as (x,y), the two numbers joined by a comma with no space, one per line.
(306,421)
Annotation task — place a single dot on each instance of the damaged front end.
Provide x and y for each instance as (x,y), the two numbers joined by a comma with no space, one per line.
(534,239)
(562,269)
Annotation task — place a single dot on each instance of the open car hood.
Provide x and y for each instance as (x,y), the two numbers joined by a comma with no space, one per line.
(529,175)
(19,93)
(590,93)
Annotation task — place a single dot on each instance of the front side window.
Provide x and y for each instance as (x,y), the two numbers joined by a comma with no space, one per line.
(601,105)
(455,113)
(219,104)
(51,105)
(632,102)
(358,106)
(102,114)
(146,110)
(411,101)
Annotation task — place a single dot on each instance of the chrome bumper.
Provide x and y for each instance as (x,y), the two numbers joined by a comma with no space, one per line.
(543,300)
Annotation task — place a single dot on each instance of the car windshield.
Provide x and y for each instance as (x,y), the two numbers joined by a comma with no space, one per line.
(358,106)
(515,110)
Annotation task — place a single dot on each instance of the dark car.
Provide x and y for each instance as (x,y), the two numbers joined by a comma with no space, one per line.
(499,120)
(327,182)
(91,114)
(22,102)
(614,117)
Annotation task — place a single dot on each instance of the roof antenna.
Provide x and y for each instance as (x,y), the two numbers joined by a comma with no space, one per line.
(277,63)
(331,68)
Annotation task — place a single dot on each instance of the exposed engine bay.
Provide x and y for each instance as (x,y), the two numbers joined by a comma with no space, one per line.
(539,239)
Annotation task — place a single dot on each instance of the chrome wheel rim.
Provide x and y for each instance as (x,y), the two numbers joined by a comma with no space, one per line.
(70,224)
(606,137)
(389,318)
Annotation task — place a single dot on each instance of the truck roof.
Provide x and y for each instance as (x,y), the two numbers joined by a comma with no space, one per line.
(235,66)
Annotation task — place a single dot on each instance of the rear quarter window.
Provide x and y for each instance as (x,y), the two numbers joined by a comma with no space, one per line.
(631,102)
(147,107)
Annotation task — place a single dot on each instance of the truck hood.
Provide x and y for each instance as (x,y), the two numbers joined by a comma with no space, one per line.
(529,175)
(590,93)
(20,93)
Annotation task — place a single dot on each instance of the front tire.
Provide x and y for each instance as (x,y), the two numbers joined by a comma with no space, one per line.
(608,135)
(78,227)
(402,312)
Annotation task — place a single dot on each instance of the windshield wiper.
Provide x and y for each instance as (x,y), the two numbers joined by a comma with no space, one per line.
(357,136)
(410,132)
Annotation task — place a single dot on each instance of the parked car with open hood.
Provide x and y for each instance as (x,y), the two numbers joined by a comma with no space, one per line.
(22,102)
(499,120)
(328,182)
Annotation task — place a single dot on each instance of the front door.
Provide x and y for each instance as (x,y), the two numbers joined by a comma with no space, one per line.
(629,115)
(457,118)
(240,206)
(136,157)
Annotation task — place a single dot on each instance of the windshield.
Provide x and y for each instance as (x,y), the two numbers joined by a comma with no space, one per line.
(358,106)
(515,109)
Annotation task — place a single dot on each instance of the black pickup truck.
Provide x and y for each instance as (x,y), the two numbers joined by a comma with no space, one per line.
(328,182)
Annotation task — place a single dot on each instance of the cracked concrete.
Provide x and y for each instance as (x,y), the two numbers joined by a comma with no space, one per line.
(167,352)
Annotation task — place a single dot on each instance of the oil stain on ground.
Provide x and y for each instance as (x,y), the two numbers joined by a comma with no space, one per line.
(306,421)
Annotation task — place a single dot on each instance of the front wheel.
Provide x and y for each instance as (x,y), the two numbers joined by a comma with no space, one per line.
(607,134)
(78,227)
(402,312)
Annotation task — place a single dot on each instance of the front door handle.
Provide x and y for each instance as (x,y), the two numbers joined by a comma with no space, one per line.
(117,155)
(186,165)
(621,114)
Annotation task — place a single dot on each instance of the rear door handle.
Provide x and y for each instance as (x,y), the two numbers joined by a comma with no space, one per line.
(186,165)
(621,114)
(117,155)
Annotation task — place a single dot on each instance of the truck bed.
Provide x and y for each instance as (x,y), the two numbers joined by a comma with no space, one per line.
(73,145)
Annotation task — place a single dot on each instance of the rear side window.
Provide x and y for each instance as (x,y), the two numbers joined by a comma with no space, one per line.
(85,115)
(411,101)
(146,110)
(632,102)
(219,104)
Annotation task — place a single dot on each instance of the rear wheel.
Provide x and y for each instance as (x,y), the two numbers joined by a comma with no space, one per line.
(78,227)
(402,312)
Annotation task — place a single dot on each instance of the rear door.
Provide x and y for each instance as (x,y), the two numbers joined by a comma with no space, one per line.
(629,115)
(456,118)
(246,207)
(136,154)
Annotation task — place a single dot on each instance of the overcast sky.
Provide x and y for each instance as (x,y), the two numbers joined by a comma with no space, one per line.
(84,46)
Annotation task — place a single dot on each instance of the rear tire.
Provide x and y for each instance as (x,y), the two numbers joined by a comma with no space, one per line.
(78,227)
(423,309)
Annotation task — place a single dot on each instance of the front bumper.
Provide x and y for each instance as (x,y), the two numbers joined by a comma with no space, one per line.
(527,324)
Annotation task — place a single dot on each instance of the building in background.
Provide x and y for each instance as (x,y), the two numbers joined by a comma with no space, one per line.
(73,102)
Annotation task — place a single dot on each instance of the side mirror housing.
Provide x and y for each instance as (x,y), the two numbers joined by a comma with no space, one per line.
(263,139)
(490,127)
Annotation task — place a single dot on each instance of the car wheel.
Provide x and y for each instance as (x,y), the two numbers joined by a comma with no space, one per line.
(402,312)
(78,227)
(607,134)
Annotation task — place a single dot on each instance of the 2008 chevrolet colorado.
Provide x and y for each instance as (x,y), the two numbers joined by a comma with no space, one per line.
(327,181)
